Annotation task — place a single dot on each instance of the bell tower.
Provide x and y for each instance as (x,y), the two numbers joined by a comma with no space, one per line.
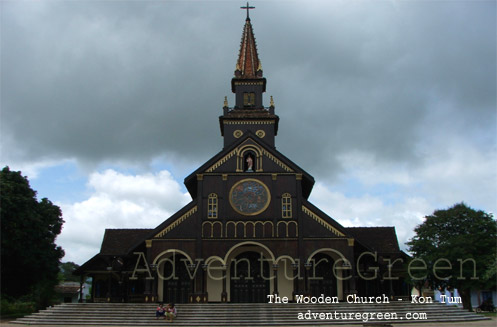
(248,114)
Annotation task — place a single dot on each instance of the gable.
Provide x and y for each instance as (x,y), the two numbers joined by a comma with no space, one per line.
(266,160)
(233,161)
(178,225)
(318,224)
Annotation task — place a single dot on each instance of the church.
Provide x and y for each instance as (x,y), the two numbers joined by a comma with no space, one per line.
(249,230)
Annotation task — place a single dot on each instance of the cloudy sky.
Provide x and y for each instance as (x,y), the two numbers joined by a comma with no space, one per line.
(391,105)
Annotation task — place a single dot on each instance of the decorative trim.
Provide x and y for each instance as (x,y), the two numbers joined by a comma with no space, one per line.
(248,122)
(350,242)
(277,161)
(221,161)
(176,222)
(287,224)
(148,243)
(200,177)
(238,133)
(225,177)
(249,83)
(260,133)
(245,223)
(212,223)
(274,176)
(298,177)
(322,222)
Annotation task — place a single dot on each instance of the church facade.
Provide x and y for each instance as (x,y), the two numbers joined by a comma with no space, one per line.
(249,230)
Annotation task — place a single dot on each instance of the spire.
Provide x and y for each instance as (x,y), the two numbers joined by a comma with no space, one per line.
(248,64)
(248,115)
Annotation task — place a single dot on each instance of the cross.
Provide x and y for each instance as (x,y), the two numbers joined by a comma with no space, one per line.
(247,7)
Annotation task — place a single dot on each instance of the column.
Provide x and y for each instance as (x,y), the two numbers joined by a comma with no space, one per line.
(204,283)
(224,295)
(296,274)
(275,281)
(307,266)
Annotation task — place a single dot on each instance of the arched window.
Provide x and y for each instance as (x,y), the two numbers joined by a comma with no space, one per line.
(286,205)
(248,99)
(212,206)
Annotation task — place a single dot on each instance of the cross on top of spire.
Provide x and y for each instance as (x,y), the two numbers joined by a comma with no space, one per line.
(248,64)
(248,8)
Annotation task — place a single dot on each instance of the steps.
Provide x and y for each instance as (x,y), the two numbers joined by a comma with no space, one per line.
(259,314)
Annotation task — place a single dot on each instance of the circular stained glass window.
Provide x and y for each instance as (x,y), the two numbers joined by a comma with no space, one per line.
(249,197)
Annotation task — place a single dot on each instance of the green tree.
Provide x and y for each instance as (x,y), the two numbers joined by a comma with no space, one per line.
(66,270)
(30,257)
(458,247)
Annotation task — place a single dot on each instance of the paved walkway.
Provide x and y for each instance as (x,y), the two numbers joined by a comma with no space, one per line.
(484,323)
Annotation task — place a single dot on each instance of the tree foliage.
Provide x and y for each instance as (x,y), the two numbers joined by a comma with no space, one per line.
(30,257)
(458,246)
(66,270)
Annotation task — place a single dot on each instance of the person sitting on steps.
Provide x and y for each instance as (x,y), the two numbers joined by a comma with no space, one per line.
(160,312)
(170,312)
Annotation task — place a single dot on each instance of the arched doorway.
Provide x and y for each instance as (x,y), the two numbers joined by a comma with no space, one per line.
(249,278)
(176,281)
(322,279)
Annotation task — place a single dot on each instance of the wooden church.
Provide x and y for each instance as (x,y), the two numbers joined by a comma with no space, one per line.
(249,230)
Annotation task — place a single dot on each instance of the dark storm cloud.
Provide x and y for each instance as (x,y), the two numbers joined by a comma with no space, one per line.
(104,81)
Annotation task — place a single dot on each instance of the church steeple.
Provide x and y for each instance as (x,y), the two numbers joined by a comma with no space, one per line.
(248,64)
(248,84)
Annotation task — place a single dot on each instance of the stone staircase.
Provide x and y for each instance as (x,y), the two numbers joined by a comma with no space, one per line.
(260,314)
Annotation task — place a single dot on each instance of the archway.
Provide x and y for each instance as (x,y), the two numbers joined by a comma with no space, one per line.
(175,277)
(249,278)
(322,279)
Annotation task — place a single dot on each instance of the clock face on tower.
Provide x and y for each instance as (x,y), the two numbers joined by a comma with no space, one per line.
(249,197)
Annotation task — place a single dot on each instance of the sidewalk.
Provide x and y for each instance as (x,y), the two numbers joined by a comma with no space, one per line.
(484,323)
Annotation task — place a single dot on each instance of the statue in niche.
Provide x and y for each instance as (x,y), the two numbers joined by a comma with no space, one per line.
(250,164)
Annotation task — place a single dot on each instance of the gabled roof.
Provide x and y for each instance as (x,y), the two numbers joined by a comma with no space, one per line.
(380,239)
(307,179)
(116,242)
(248,65)
(120,241)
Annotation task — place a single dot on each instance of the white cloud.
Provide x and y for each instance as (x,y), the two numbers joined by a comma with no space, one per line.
(364,166)
(370,210)
(372,192)
(117,201)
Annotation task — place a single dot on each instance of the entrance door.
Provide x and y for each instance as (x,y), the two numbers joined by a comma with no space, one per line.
(322,279)
(248,283)
(177,286)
